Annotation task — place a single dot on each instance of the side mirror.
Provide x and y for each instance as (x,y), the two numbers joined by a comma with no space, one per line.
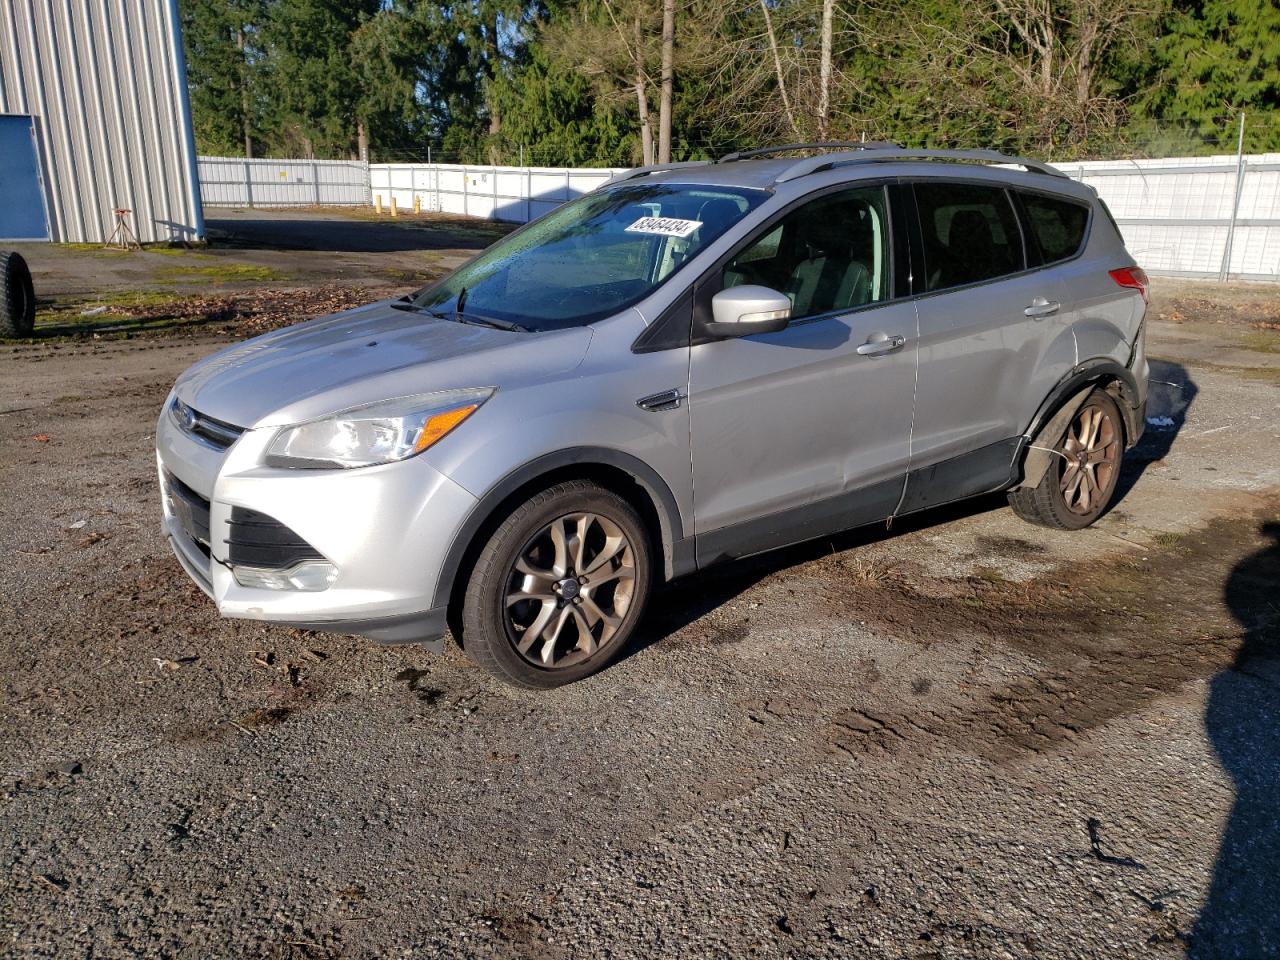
(743,311)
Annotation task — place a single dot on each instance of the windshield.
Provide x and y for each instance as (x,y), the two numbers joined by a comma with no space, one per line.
(592,257)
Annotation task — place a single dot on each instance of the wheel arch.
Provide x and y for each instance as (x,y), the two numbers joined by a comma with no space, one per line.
(1065,399)
(619,472)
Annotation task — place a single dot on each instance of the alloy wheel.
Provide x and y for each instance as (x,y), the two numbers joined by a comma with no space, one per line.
(1091,452)
(569,590)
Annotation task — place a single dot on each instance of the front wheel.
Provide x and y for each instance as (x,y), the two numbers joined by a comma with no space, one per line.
(1081,479)
(558,588)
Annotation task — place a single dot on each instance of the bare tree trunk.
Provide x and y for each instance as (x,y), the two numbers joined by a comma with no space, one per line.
(362,141)
(646,128)
(495,63)
(642,102)
(824,72)
(668,80)
(244,95)
(777,66)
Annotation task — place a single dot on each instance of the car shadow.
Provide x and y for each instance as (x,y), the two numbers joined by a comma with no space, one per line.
(337,234)
(1241,915)
(677,604)
(1170,394)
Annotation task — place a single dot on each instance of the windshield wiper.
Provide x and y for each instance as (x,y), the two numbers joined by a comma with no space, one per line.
(477,320)
(416,308)
(474,319)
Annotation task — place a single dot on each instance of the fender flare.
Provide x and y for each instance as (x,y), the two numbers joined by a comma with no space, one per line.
(677,549)
(1066,398)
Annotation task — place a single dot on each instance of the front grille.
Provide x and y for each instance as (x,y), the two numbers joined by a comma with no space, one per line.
(257,540)
(216,433)
(190,509)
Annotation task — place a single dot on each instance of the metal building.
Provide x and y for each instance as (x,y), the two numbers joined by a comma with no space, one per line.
(94,117)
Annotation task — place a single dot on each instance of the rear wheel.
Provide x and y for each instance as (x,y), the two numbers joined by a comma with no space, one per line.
(558,588)
(1081,479)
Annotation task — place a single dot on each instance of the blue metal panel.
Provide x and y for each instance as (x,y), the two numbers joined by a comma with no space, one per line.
(22,212)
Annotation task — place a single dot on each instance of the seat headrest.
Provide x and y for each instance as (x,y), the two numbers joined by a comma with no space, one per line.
(717,214)
(970,227)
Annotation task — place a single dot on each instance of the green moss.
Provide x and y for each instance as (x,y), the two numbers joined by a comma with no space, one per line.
(135,298)
(1262,341)
(222,273)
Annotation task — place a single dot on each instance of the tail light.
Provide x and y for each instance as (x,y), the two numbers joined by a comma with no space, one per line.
(1135,278)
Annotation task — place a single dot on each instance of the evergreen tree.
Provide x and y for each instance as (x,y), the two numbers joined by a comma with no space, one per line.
(1215,59)
(224,73)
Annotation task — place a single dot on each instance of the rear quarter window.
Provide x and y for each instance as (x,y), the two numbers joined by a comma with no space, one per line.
(1057,226)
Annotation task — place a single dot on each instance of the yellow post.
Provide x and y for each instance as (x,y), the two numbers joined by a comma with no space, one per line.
(417,203)
(377,203)
(393,205)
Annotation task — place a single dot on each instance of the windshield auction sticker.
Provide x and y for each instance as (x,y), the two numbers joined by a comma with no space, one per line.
(665,226)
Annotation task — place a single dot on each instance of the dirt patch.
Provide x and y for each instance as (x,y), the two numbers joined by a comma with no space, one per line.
(1201,302)
(1262,313)
(244,314)
(1111,636)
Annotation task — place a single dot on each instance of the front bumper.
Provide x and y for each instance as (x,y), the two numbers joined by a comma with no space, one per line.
(386,529)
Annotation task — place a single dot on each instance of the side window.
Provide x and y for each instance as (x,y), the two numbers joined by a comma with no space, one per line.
(970,233)
(830,254)
(1057,226)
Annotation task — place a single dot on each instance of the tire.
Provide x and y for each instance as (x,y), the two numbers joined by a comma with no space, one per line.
(1073,492)
(527,642)
(17,296)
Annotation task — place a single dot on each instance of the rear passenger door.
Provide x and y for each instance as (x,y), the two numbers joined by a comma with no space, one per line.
(994,339)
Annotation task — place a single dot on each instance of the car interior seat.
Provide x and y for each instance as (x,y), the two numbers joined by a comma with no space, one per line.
(830,275)
(970,251)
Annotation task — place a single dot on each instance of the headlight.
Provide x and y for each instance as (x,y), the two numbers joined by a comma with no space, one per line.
(378,433)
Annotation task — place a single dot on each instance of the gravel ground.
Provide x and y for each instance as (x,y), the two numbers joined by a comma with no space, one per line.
(968,737)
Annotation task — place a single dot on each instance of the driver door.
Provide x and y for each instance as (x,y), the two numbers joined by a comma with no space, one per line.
(807,430)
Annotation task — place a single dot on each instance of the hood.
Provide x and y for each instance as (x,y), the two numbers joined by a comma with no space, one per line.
(364,355)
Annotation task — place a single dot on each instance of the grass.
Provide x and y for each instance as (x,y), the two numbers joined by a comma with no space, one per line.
(1168,539)
(59,318)
(1262,341)
(222,273)
(988,574)
(864,571)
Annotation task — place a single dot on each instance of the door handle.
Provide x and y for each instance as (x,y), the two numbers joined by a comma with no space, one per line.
(1040,307)
(879,343)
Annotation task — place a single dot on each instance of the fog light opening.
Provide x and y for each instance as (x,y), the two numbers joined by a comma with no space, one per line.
(309,577)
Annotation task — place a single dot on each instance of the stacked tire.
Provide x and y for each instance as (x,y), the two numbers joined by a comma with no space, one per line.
(17,296)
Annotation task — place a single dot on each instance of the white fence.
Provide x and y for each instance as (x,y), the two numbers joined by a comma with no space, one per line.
(1175,213)
(517,194)
(232,182)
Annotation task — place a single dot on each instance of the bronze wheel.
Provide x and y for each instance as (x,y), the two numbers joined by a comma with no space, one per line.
(1090,458)
(1081,479)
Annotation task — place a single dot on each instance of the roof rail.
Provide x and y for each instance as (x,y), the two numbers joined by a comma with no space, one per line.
(821,145)
(810,165)
(635,172)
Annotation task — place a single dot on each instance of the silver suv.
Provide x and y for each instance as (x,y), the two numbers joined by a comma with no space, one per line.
(694,363)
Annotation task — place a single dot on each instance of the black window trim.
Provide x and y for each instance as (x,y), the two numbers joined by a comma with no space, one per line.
(917,235)
(1030,233)
(674,328)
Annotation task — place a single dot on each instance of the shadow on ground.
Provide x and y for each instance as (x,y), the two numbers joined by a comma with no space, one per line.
(1241,916)
(676,605)
(343,235)
(1169,397)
